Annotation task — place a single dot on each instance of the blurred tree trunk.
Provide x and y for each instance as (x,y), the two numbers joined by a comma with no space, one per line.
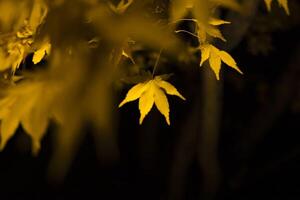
(255,132)
(208,139)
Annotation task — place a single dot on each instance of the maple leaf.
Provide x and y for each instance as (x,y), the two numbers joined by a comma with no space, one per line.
(39,54)
(282,3)
(215,56)
(204,29)
(211,29)
(149,93)
(26,104)
(205,24)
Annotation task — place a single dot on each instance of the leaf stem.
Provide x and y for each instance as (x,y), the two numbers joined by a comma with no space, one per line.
(185,31)
(156,62)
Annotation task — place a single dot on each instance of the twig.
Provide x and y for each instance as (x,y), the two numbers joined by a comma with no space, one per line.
(156,62)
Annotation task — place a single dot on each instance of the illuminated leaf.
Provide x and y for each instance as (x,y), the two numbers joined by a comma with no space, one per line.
(146,101)
(40,53)
(169,88)
(152,92)
(215,57)
(210,29)
(215,63)
(217,22)
(205,52)
(214,32)
(161,102)
(134,93)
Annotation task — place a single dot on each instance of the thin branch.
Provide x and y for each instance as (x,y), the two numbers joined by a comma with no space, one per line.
(185,31)
(157,61)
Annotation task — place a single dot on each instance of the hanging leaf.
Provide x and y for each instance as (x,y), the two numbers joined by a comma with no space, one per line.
(215,56)
(149,93)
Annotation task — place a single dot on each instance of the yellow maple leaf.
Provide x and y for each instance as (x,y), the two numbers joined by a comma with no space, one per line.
(41,52)
(282,3)
(215,56)
(26,104)
(149,93)
(211,29)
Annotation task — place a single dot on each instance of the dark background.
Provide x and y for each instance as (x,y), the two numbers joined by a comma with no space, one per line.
(256,153)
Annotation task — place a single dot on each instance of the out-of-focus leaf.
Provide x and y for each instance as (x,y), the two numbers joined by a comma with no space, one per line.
(282,3)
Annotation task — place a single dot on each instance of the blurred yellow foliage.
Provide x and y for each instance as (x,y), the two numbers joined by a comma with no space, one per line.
(282,3)
(87,40)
